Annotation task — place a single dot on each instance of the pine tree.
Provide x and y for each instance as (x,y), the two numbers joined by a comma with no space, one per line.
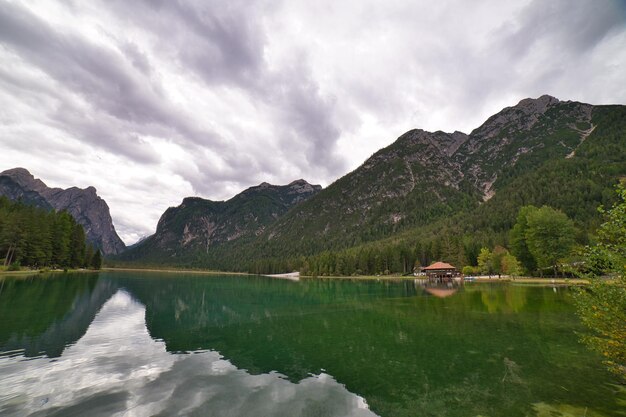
(77,245)
(61,233)
(96,262)
(88,258)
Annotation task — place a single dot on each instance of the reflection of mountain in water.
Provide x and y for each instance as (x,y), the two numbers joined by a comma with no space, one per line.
(386,341)
(51,313)
(85,379)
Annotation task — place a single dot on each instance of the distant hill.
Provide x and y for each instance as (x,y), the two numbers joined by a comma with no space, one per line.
(85,206)
(197,225)
(431,185)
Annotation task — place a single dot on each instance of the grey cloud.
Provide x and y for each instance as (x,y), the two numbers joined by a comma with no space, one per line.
(104,131)
(546,47)
(222,42)
(137,57)
(96,73)
(224,45)
(309,118)
(238,169)
(575,26)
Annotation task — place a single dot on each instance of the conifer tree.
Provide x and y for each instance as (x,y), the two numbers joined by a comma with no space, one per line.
(96,262)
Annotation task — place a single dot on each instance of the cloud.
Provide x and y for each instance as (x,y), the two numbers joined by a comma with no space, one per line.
(104,83)
(209,98)
(575,26)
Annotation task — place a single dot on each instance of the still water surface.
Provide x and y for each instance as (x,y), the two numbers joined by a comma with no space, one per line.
(140,344)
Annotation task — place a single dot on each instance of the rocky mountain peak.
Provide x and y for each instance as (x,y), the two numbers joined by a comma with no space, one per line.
(192,200)
(200,224)
(521,117)
(301,186)
(24,178)
(537,105)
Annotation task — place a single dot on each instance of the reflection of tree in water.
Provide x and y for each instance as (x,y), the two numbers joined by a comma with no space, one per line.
(502,298)
(49,313)
(385,341)
(406,353)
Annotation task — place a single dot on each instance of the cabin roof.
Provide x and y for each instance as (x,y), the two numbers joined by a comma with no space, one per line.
(439,265)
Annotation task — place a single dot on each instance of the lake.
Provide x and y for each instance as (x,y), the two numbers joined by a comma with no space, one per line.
(139,344)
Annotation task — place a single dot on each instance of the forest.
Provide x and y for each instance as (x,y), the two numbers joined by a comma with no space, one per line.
(37,238)
(543,241)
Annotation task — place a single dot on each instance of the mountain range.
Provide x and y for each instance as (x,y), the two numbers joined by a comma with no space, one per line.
(198,225)
(434,185)
(447,191)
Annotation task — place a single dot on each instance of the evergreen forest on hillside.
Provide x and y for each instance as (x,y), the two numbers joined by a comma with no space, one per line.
(39,238)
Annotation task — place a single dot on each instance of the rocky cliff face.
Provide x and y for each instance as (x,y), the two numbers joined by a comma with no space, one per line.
(199,225)
(87,208)
(12,189)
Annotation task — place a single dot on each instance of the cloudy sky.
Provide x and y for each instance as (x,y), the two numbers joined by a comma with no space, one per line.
(151,101)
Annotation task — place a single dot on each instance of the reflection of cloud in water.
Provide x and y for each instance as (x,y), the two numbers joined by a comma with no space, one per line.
(117,369)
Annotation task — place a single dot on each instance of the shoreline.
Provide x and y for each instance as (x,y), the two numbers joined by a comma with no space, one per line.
(516,280)
(295,276)
(174,271)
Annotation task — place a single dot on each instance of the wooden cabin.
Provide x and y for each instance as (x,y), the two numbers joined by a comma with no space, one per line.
(441,272)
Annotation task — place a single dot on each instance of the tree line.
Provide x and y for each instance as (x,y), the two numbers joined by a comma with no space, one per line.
(542,241)
(38,238)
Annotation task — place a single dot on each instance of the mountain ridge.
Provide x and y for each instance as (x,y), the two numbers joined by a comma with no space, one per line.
(199,224)
(423,178)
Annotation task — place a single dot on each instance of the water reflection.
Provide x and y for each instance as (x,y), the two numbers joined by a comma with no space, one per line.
(485,350)
(439,289)
(116,366)
(44,315)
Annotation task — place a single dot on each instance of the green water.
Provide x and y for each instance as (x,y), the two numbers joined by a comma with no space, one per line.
(175,344)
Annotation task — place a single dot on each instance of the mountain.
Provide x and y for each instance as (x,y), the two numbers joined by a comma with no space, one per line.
(424,176)
(87,208)
(11,188)
(570,158)
(198,225)
(540,151)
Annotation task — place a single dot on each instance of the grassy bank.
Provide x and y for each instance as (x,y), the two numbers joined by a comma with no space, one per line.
(517,280)
(27,271)
(175,271)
